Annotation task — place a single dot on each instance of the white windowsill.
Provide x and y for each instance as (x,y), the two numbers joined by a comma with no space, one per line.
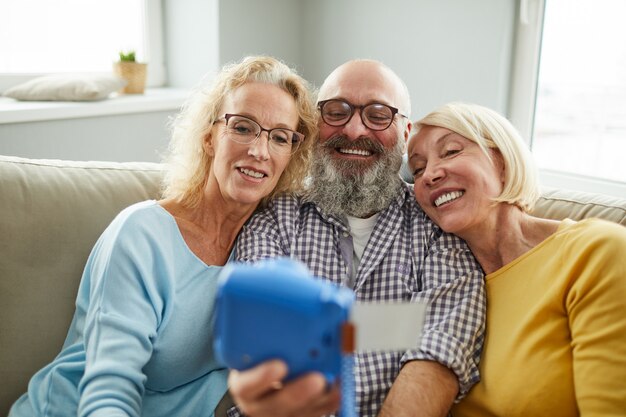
(564,180)
(154,99)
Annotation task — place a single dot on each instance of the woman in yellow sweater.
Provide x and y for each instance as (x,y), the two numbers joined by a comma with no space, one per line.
(556,290)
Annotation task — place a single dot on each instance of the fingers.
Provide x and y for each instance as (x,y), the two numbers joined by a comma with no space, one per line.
(258,392)
(255,382)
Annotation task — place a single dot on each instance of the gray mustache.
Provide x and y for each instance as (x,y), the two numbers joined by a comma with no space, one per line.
(362,143)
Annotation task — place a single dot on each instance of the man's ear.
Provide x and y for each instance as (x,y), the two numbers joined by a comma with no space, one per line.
(407,135)
(407,131)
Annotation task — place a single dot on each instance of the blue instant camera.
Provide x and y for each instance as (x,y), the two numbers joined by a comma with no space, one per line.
(276,309)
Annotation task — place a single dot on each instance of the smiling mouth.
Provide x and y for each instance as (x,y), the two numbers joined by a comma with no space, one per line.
(352,151)
(251,173)
(448,197)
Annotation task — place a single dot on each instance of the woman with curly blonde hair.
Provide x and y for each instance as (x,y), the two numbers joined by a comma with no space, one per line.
(140,342)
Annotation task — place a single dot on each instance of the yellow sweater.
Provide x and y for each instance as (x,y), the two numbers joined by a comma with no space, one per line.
(556,329)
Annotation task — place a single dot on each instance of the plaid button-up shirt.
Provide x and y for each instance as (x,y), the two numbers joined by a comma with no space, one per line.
(406,258)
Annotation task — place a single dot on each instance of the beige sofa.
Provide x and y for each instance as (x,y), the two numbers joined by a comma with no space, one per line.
(52,212)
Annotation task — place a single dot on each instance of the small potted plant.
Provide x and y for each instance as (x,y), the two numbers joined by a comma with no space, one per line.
(133,72)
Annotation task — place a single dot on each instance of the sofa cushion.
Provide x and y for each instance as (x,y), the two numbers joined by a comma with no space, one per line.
(578,205)
(51,214)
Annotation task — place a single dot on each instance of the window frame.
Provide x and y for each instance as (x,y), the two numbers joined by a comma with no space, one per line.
(523,97)
(153,38)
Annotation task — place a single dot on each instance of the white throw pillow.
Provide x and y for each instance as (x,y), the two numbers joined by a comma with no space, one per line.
(66,87)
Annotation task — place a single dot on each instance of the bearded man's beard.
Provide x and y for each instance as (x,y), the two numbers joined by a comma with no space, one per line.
(351,188)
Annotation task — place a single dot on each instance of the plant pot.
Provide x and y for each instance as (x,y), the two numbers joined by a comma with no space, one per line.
(135,75)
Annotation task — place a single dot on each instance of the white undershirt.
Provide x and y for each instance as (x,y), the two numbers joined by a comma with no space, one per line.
(360,229)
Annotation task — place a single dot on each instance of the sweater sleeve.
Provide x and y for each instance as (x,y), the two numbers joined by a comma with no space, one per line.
(121,322)
(596,306)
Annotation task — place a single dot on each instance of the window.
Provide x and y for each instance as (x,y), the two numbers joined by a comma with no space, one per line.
(581,95)
(78,36)
(573,52)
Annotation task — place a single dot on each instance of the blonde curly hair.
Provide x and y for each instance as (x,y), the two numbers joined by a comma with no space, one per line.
(188,165)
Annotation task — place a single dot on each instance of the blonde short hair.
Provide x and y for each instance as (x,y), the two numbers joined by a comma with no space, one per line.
(188,164)
(491,130)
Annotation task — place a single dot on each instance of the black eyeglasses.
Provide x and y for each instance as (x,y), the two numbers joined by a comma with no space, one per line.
(375,116)
(244,130)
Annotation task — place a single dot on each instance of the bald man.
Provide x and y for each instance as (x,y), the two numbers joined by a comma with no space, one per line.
(358,225)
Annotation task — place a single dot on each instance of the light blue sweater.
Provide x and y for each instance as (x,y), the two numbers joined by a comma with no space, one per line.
(140,342)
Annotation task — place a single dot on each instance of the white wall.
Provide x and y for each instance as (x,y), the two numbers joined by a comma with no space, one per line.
(444,49)
(191,40)
(268,27)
